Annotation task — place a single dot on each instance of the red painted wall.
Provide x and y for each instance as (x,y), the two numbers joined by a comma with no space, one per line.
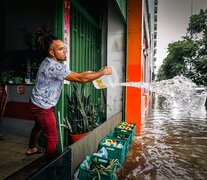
(18,110)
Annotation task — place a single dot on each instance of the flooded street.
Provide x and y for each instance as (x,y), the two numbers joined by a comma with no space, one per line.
(172,145)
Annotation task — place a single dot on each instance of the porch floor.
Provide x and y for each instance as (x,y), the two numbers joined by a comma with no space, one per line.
(13,157)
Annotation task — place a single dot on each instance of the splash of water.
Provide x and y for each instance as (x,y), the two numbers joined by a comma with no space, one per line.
(178,90)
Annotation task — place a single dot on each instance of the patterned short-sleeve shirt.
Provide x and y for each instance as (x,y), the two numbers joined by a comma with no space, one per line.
(49,82)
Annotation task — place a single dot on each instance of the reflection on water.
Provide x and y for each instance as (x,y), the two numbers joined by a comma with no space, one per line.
(172,145)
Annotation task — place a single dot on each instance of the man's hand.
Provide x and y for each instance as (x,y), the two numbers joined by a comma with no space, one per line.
(107,70)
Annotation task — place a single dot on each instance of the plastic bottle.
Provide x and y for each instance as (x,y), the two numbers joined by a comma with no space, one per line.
(119,145)
(103,152)
(97,154)
(107,80)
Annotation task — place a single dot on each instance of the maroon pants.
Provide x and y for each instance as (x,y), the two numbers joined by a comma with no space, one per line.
(44,121)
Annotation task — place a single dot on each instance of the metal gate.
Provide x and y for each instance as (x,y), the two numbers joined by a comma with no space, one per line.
(85,54)
(85,49)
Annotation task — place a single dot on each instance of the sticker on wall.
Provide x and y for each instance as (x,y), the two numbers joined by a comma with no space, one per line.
(20,89)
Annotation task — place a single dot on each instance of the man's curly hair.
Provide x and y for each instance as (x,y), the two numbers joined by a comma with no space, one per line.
(44,38)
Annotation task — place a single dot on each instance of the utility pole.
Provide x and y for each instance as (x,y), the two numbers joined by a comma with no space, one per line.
(191,7)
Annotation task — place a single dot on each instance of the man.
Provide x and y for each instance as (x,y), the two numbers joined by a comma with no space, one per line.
(47,89)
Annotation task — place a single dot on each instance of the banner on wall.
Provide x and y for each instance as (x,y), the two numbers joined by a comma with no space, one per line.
(67,29)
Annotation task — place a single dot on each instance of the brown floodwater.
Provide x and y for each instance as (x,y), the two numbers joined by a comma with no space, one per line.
(172,145)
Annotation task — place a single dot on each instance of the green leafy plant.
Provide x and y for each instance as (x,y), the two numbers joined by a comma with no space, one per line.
(81,111)
(100,112)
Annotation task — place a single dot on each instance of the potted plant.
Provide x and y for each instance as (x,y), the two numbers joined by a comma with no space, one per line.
(81,113)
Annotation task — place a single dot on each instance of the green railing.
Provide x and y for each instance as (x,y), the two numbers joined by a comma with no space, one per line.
(85,54)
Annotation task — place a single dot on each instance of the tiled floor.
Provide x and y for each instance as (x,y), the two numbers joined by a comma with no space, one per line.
(13,156)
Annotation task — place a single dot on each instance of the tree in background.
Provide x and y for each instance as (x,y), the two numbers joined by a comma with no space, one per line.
(189,55)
